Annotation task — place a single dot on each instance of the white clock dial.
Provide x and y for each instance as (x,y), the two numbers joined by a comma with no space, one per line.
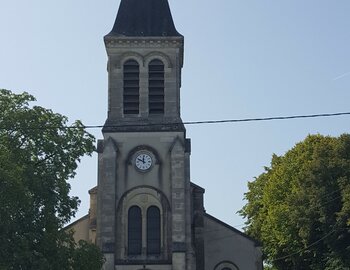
(143,162)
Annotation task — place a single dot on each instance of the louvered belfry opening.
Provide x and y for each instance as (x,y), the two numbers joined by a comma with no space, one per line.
(134,231)
(131,81)
(153,231)
(156,87)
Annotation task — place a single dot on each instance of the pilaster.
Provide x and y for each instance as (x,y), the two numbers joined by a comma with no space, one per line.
(107,175)
(179,207)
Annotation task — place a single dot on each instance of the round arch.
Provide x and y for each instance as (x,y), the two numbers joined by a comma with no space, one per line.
(143,147)
(158,55)
(226,265)
(131,56)
(144,197)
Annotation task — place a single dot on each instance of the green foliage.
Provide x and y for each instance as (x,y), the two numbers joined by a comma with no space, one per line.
(299,208)
(38,154)
(87,256)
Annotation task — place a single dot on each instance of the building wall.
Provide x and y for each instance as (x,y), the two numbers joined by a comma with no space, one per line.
(223,246)
(80,229)
(143,50)
(166,186)
(227,247)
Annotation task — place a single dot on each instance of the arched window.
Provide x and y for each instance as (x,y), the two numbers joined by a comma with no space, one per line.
(131,95)
(153,230)
(156,87)
(134,231)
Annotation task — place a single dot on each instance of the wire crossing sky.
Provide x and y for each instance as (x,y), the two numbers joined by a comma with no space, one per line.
(200,122)
(242,58)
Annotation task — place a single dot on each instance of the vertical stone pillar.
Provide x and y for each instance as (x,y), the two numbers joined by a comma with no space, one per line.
(198,216)
(143,91)
(92,214)
(190,253)
(115,85)
(178,202)
(106,200)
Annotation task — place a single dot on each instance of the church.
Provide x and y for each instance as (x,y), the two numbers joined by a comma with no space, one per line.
(145,213)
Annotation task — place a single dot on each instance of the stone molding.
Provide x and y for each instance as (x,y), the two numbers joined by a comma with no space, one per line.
(113,42)
(143,147)
(144,42)
(143,60)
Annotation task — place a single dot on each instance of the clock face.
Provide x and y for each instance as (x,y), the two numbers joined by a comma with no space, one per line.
(143,162)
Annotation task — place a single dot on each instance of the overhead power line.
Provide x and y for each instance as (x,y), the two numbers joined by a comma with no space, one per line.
(306,248)
(259,119)
(228,120)
(268,118)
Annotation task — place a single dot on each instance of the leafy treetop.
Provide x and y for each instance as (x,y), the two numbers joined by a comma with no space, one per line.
(299,208)
(38,155)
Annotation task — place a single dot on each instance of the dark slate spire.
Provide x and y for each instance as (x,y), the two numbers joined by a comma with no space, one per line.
(149,18)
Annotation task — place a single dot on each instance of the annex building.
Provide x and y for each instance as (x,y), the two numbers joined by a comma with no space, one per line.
(145,213)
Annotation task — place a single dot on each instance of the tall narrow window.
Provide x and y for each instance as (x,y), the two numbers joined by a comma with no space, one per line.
(156,87)
(131,94)
(134,231)
(153,230)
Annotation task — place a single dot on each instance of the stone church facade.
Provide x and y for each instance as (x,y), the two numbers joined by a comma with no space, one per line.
(145,213)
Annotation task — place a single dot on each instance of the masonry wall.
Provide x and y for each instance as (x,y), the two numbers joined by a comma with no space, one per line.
(227,247)
(166,185)
(80,229)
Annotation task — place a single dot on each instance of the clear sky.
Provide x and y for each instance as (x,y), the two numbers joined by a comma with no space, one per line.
(242,59)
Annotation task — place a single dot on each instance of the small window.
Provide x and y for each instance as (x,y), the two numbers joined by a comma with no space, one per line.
(156,87)
(153,230)
(131,95)
(134,231)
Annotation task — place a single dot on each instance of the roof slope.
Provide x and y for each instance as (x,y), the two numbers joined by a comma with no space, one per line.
(256,242)
(137,18)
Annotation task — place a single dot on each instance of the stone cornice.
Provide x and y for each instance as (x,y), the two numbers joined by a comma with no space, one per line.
(116,41)
(143,125)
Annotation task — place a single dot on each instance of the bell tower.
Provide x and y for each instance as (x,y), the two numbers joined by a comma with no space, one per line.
(145,58)
(143,197)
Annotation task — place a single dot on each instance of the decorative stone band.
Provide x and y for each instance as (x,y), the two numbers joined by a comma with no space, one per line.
(142,125)
(112,41)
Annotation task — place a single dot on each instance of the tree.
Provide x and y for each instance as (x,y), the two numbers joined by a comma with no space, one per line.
(38,155)
(299,208)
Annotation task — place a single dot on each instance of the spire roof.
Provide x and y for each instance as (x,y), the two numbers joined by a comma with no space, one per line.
(149,18)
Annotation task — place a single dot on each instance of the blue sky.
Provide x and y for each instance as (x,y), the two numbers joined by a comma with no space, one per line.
(242,59)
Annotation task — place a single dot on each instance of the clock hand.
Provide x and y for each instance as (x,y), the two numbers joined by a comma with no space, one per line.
(139,159)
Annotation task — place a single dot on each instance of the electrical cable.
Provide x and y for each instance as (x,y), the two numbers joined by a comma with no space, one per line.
(306,248)
(259,119)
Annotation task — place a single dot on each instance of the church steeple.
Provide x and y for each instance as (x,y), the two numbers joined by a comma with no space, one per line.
(138,18)
(145,58)
(145,212)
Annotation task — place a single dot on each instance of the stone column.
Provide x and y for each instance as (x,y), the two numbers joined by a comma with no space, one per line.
(198,208)
(106,201)
(178,202)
